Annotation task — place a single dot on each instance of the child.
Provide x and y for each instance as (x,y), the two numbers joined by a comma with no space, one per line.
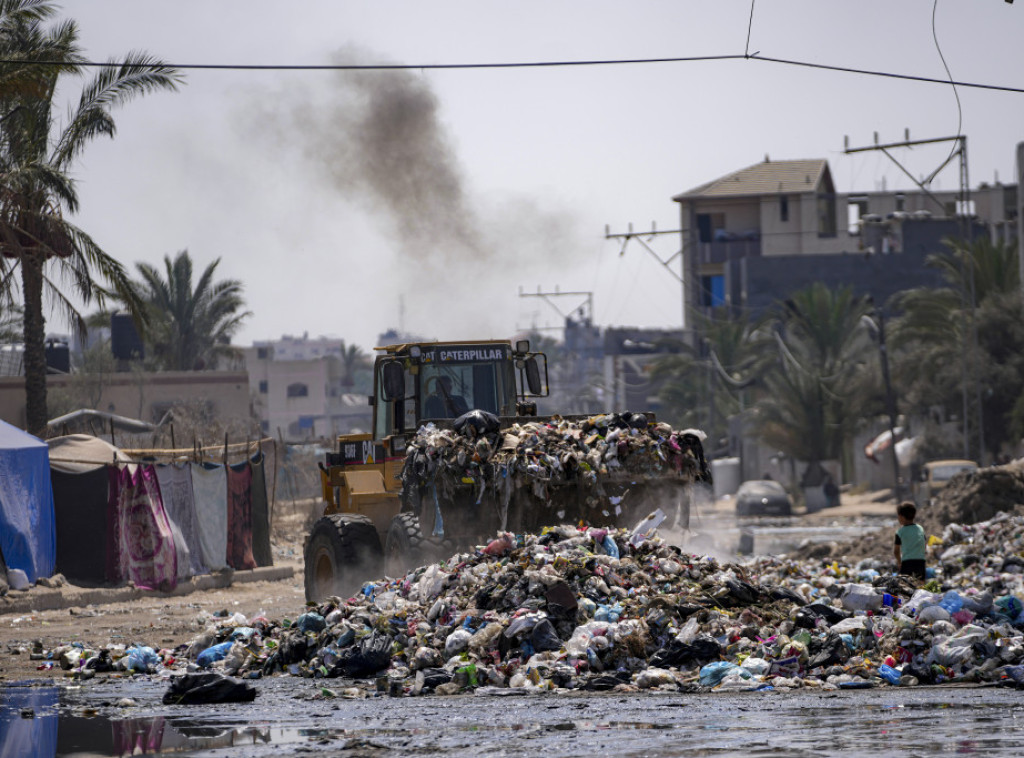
(910,542)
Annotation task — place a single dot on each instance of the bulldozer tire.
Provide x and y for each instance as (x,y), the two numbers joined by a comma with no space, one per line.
(404,545)
(341,552)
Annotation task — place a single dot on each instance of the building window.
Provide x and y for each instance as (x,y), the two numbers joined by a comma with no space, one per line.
(298,390)
(263,387)
(265,427)
(856,209)
(262,353)
(709,225)
(784,208)
(712,291)
(901,202)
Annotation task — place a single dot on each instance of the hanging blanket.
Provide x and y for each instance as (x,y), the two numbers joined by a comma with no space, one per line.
(80,504)
(210,489)
(140,542)
(240,516)
(179,502)
(260,512)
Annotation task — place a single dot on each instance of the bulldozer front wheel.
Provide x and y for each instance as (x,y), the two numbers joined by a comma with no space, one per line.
(341,552)
(404,546)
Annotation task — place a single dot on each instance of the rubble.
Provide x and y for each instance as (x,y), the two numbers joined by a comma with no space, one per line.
(616,609)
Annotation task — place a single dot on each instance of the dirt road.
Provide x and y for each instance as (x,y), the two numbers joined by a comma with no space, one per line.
(156,621)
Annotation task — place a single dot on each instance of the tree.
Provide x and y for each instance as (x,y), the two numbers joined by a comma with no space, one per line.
(188,327)
(705,386)
(353,360)
(824,378)
(36,185)
(933,339)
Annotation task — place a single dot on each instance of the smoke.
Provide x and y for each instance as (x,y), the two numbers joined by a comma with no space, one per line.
(376,140)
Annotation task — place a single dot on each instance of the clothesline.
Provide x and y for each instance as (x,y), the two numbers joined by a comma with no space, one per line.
(201,449)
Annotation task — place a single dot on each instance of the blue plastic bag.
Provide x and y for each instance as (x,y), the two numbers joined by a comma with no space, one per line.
(213,654)
(952,601)
(610,547)
(889,674)
(142,659)
(713,673)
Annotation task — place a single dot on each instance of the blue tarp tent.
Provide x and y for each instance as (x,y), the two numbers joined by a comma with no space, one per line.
(27,535)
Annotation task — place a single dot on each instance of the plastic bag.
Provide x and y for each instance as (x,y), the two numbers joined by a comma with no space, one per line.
(213,654)
(544,637)
(143,659)
(861,597)
(713,673)
(365,658)
(207,687)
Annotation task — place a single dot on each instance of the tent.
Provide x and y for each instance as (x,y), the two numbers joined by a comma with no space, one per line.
(79,477)
(27,535)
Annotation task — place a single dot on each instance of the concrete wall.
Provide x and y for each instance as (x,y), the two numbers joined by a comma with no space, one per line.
(145,396)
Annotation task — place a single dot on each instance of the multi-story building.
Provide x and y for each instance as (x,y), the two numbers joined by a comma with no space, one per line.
(299,390)
(757,234)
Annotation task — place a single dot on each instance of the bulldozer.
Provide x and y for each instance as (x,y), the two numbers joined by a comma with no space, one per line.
(378,517)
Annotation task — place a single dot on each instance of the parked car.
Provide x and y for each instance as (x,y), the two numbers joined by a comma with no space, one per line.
(763,497)
(935,475)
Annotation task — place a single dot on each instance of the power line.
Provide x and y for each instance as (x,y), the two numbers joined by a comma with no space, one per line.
(527,64)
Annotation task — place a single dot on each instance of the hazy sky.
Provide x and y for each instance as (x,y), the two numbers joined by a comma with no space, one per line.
(350,202)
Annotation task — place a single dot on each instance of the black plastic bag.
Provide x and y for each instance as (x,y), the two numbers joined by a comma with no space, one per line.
(679,654)
(365,658)
(544,637)
(294,647)
(482,422)
(206,688)
(826,652)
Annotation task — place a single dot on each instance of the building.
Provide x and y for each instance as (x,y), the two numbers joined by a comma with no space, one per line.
(757,234)
(300,389)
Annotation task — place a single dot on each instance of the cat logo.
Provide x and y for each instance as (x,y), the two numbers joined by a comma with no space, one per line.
(367,451)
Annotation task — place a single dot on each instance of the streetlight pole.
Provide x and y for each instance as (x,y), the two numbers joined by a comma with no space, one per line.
(890,402)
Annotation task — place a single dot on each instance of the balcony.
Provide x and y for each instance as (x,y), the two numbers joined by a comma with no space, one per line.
(725,250)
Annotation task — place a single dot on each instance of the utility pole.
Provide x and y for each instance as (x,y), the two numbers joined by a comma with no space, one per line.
(644,238)
(970,349)
(586,309)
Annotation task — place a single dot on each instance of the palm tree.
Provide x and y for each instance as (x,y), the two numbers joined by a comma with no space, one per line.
(824,381)
(353,360)
(705,386)
(36,185)
(935,335)
(188,327)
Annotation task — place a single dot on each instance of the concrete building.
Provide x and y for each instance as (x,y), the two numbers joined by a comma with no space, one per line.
(298,391)
(754,235)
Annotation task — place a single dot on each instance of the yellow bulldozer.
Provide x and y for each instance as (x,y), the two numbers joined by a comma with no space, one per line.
(379,518)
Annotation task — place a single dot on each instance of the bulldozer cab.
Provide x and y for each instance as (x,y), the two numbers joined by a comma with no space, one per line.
(419,382)
(431,382)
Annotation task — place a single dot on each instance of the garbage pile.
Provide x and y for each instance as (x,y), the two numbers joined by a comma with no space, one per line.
(602,609)
(617,609)
(538,456)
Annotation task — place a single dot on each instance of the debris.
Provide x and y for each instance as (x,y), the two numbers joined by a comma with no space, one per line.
(208,687)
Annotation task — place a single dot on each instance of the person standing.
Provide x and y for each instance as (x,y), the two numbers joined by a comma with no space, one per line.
(909,548)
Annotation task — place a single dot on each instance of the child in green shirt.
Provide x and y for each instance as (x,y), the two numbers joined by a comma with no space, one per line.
(909,549)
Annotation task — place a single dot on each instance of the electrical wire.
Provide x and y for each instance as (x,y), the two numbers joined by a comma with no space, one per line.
(959,107)
(531,64)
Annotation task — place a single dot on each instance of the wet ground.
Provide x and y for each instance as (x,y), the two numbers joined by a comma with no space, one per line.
(286,719)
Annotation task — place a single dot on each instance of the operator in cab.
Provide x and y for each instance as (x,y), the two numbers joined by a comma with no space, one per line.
(441,403)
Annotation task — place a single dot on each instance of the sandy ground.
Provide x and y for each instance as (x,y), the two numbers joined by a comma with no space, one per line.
(159,622)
